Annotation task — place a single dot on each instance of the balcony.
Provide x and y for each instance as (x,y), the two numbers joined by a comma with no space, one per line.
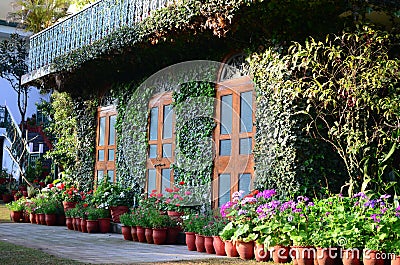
(84,28)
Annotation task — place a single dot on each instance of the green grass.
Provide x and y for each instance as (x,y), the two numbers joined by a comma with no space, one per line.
(4,213)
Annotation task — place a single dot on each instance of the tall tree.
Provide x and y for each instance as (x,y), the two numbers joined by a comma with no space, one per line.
(13,57)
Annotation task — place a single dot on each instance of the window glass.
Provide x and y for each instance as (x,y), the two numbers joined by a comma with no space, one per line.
(245,183)
(246,113)
(100,176)
(111,153)
(224,194)
(167,130)
(111,135)
(166,179)
(153,151)
(245,146)
(153,124)
(110,174)
(167,150)
(151,182)
(225,147)
(102,131)
(226,114)
(100,155)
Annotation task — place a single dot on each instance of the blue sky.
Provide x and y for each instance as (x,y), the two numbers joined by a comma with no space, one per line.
(9,97)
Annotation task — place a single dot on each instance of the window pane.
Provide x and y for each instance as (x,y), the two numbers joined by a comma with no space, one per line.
(153,124)
(153,151)
(167,130)
(102,131)
(245,146)
(226,114)
(111,135)
(100,156)
(110,174)
(166,179)
(224,186)
(225,147)
(245,183)
(100,176)
(111,154)
(246,114)
(151,181)
(167,150)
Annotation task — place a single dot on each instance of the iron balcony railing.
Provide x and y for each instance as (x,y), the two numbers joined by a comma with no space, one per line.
(87,26)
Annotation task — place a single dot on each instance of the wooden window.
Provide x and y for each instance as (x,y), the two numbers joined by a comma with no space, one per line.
(234,138)
(106,144)
(160,153)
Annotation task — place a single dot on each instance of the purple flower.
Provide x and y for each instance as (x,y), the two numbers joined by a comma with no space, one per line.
(386,196)
(375,217)
(370,203)
(361,195)
(225,207)
(398,208)
(248,200)
(266,194)
(242,212)
(287,205)
(302,199)
(297,210)
(383,210)
(310,204)
(327,213)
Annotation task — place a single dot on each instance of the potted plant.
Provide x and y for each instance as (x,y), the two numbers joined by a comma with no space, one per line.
(191,226)
(16,208)
(68,219)
(104,220)
(119,200)
(71,196)
(50,208)
(159,223)
(92,222)
(142,222)
(173,230)
(126,222)
(227,235)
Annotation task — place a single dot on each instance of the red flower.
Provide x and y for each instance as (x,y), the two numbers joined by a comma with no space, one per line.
(85,205)
(159,195)
(168,189)
(177,204)
(181,183)
(153,191)
(51,185)
(176,189)
(70,192)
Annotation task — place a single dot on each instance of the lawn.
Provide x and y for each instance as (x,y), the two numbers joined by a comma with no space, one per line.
(4,213)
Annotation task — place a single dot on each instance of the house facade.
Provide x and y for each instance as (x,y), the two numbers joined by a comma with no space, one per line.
(175,100)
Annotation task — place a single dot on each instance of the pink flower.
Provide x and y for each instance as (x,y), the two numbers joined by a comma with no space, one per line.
(187,192)
(168,200)
(176,196)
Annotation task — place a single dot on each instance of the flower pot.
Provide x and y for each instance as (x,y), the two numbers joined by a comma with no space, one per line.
(126,232)
(32,218)
(26,217)
(7,198)
(245,249)
(199,241)
(395,261)
(172,235)
(104,225)
(208,244)
(61,219)
(351,257)
(92,226)
(326,256)
(78,224)
(141,234)
(372,257)
(219,246)
(68,205)
(260,252)
(42,218)
(190,241)
(37,219)
(148,232)
(134,233)
(159,235)
(68,222)
(116,212)
(84,225)
(304,255)
(230,249)
(74,224)
(281,254)
(50,219)
(16,216)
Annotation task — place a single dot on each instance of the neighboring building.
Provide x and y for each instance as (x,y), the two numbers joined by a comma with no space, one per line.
(92,52)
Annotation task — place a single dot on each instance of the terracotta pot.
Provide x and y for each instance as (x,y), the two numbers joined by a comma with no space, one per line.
(74,224)
(37,219)
(230,249)
(7,198)
(305,255)
(141,234)
(78,224)
(68,222)
(16,216)
(26,217)
(134,233)
(261,253)
(116,212)
(172,235)
(245,249)
(373,257)
(281,254)
(50,219)
(395,261)
(219,246)
(159,235)
(32,218)
(68,205)
(148,232)
(61,219)
(351,257)
(126,232)
(104,225)
(84,225)
(199,241)
(190,241)
(208,244)
(42,218)
(326,256)
(92,226)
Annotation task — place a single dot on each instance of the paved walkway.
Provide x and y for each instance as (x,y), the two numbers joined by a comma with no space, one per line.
(92,248)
